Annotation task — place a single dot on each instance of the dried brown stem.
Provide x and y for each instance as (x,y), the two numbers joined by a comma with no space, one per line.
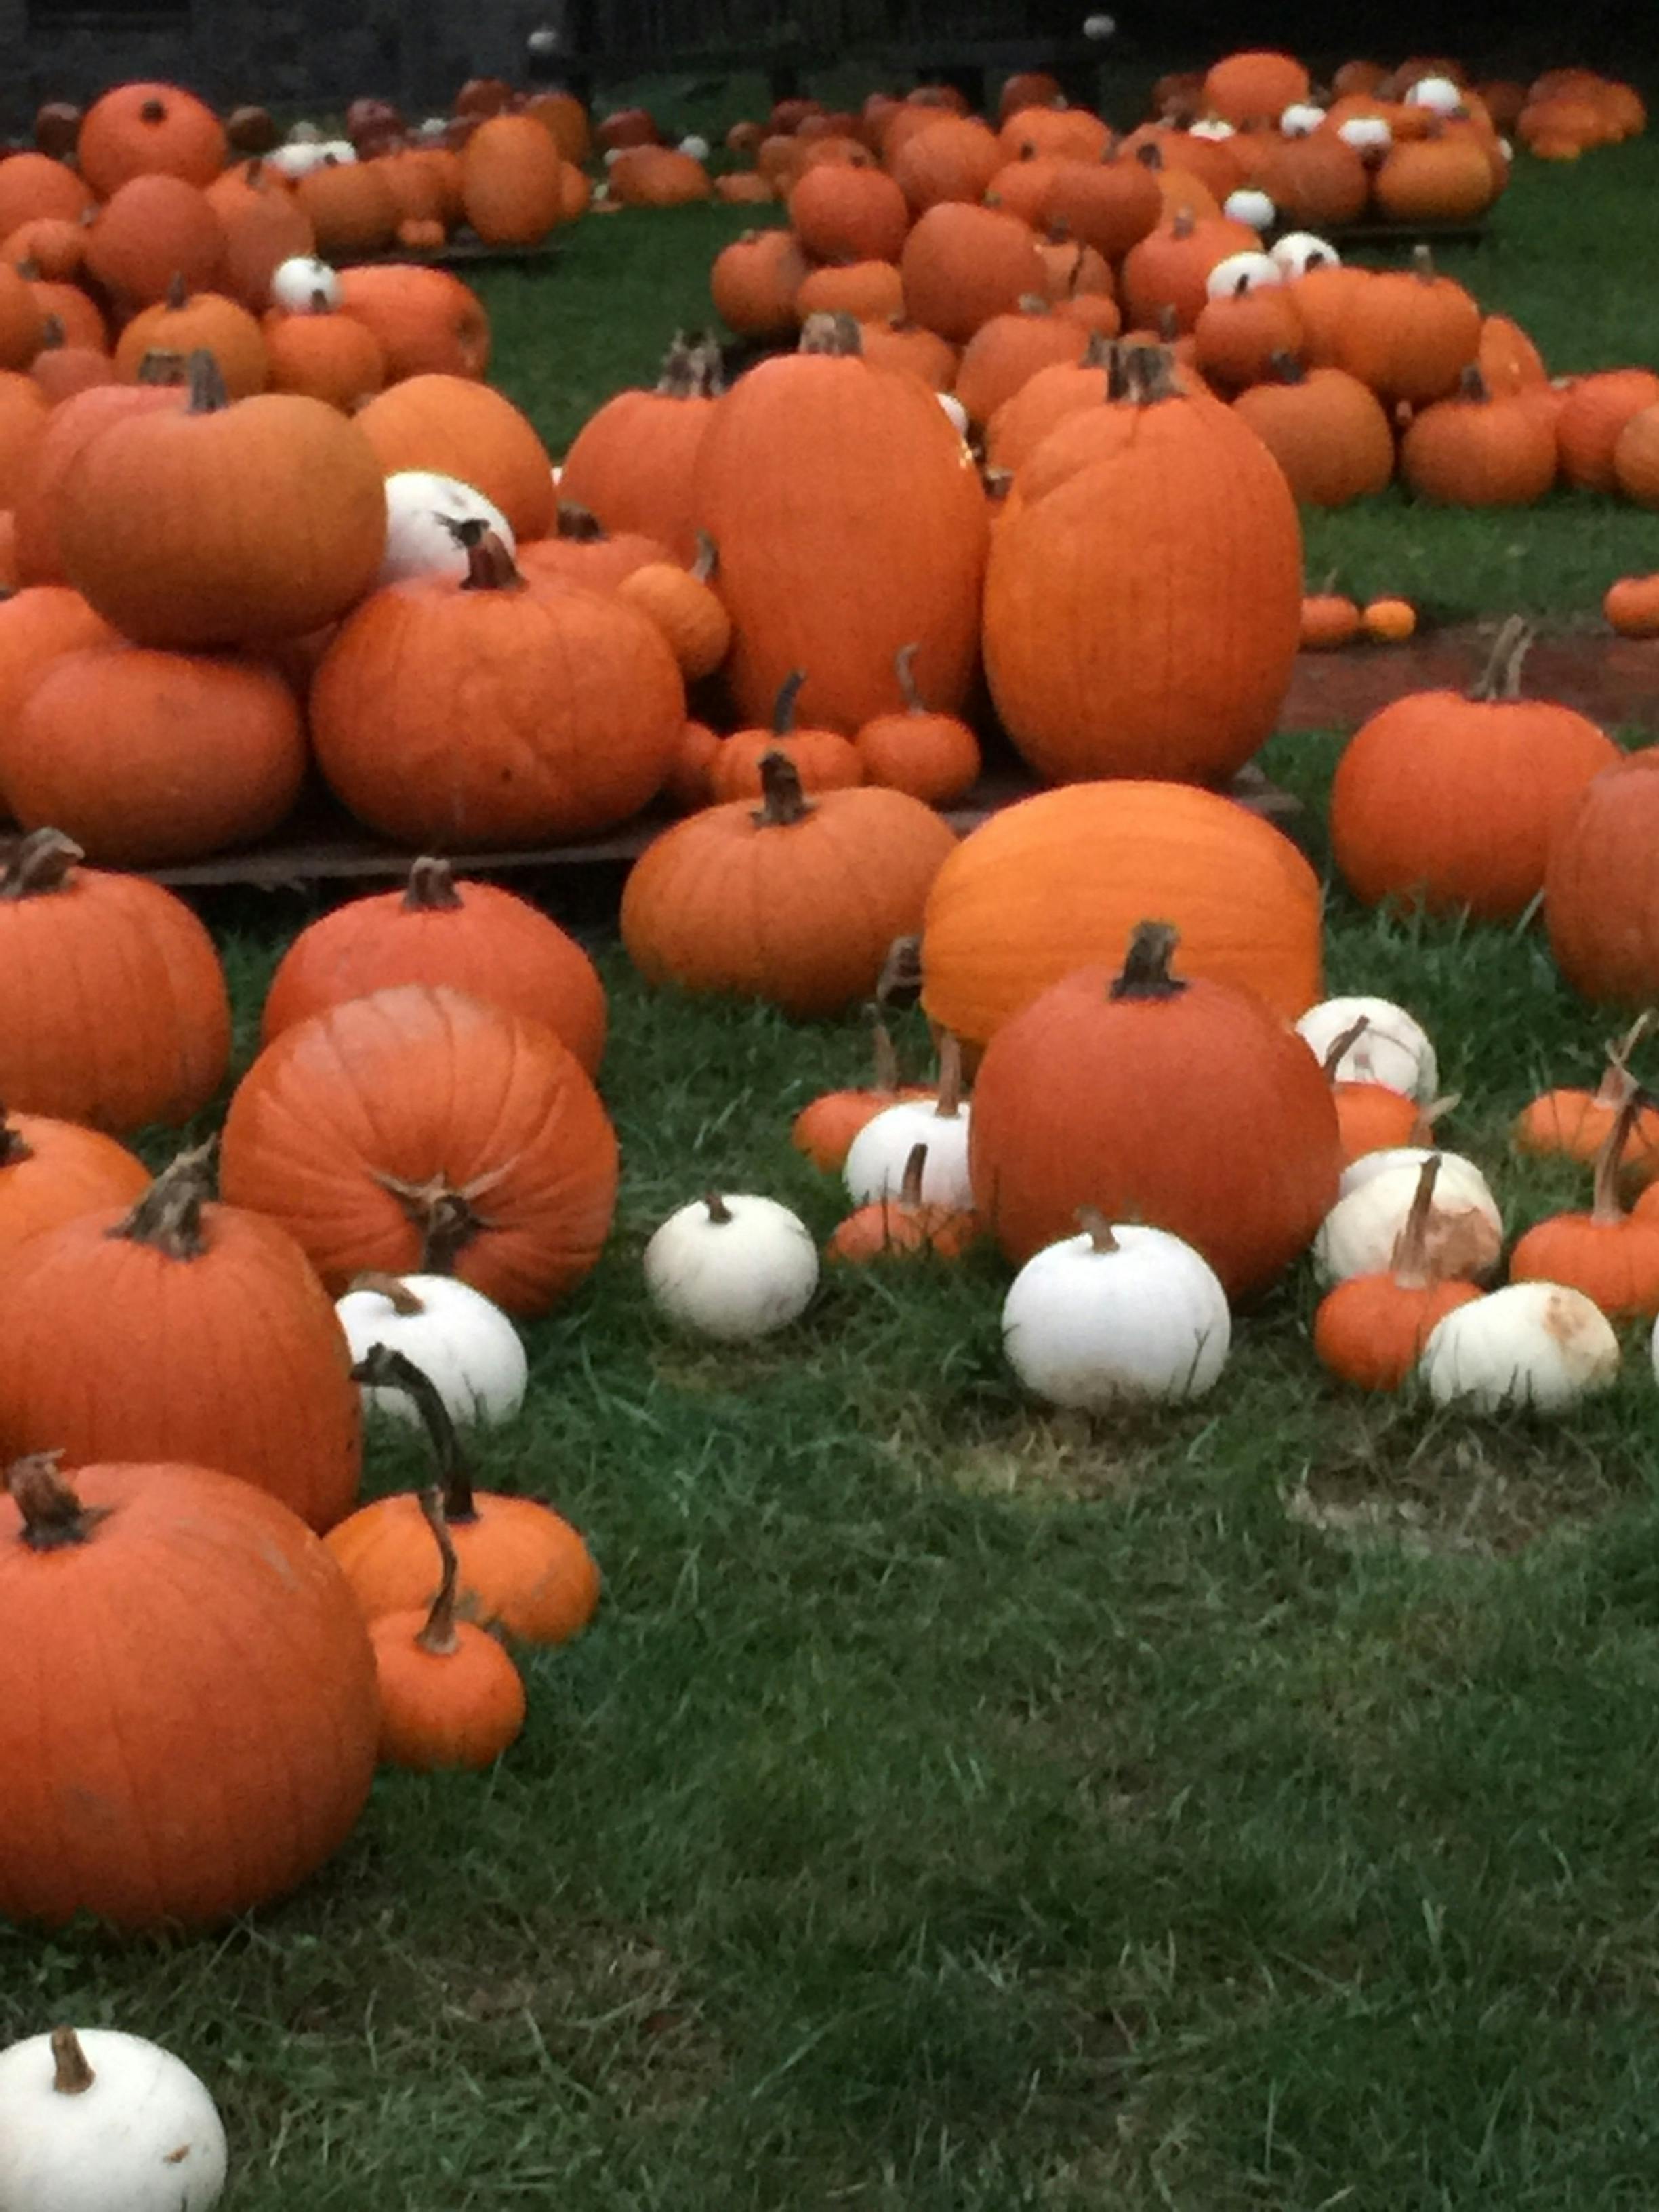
(41,863)
(382,1369)
(53,1516)
(1146,972)
(783,801)
(431,887)
(168,1217)
(438,1636)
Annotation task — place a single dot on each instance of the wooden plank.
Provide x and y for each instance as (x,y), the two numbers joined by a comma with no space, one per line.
(465,252)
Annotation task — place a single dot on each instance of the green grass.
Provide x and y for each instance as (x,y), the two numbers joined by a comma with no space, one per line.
(957,1808)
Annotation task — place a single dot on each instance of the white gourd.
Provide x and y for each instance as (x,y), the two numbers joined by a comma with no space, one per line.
(454,1334)
(92,2120)
(1300,119)
(1462,1234)
(1366,134)
(302,285)
(1250,207)
(1394,1048)
(1438,93)
(878,1156)
(1298,251)
(732,1266)
(1540,1346)
(1122,1312)
(1242,272)
(422,511)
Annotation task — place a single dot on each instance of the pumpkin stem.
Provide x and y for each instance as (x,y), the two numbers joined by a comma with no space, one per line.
(1473,385)
(404,1302)
(1032,303)
(901,972)
(884,1051)
(1605,1211)
(52,336)
(1285,369)
(1422,1130)
(1146,972)
(14,1148)
(719,1211)
(383,1369)
(904,665)
(838,334)
(1095,1226)
(206,381)
(707,561)
(1150,154)
(578,524)
(1616,1080)
(948,1105)
(161,365)
(168,1217)
(783,707)
(783,801)
(1408,1262)
(1184,224)
(41,862)
(910,1182)
(446,1217)
(1423,265)
(53,1516)
(489,566)
(1339,1046)
(1149,376)
(431,888)
(1098,354)
(72,2074)
(1501,677)
(153,111)
(177,292)
(438,1636)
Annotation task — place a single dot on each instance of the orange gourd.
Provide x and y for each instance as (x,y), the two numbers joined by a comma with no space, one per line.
(450,1697)
(822,760)
(1573,1124)
(825,1127)
(904,1227)
(686,608)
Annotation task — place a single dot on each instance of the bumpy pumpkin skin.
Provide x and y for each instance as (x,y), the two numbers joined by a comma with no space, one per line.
(420,1087)
(212,1697)
(849,521)
(1143,609)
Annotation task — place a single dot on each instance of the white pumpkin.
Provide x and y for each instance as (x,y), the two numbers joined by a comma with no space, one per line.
(1099,26)
(1458,1173)
(1298,251)
(422,511)
(957,413)
(1300,119)
(1462,1235)
(298,158)
(1120,1312)
(1366,134)
(878,1157)
(1394,1048)
(1250,207)
(732,1266)
(1211,126)
(92,2120)
(1541,1346)
(1438,93)
(454,1334)
(696,147)
(302,285)
(1242,272)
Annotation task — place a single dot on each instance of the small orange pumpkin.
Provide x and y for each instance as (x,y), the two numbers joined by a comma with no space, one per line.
(932,757)
(450,1696)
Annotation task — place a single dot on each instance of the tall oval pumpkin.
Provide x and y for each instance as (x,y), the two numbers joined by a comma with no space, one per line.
(850,522)
(1144,596)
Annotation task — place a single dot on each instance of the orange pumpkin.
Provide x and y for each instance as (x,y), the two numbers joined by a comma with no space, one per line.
(903,1227)
(932,757)
(1573,1123)
(868,291)
(632,462)
(472,937)
(73,427)
(1110,203)
(1610,1255)
(822,760)
(426,320)
(512,181)
(686,608)
(263,225)
(1596,901)
(208,322)
(37,625)
(113,1009)
(582,551)
(825,1128)
(461,427)
(35,185)
(1325,429)
(1329,621)
(754,281)
(1409,333)
(149,130)
(421,1129)
(1476,449)
(353,210)
(1371,1329)
(188,1330)
(1004,353)
(1184,1103)
(571,705)
(333,358)
(54,1171)
(153,230)
(962,264)
(1632,607)
(450,1697)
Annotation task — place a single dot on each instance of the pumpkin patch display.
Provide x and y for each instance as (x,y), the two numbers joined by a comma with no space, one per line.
(1166,1067)
(127,1561)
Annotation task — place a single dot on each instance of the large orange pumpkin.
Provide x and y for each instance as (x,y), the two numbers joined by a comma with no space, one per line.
(1144,594)
(421,1129)
(146,757)
(460,428)
(474,937)
(512,180)
(148,532)
(182,1330)
(796,902)
(113,1009)
(1182,1103)
(816,466)
(74,424)
(1058,881)
(188,1712)
(487,712)
(149,130)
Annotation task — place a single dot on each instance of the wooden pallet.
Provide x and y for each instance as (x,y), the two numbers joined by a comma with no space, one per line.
(465,252)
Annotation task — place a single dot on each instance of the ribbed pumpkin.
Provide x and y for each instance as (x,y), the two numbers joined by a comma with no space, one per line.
(204,322)
(1611,1255)
(1409,333)
(1325,429)
(932,757)
(150,529)
(1456,799)
(182,1330)
(568,707)
(264,225)
(1110,203)
(36,625)
(74,424)
(450,1696)
(146,757)
(1602,919)
(1476,449)
(188,1714)
(53,1171)
(113,1009)
(633,461)
(797,901)
(353,210)
(1253,86)
(686,608)
(333,358)
(474,937)
(461,427)
(581,550)
(1006,353)
(1371,1329)
(149,130)
(36,184)
(426,321)
(1169,269)
(1058,881)
(1187,1104)
(1018,427)
(817,466)
(1144,593)
(419,1129)
(512,180)
(753,283)
(823,760)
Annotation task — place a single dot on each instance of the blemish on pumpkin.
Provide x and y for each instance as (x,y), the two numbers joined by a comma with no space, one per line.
(174,2157)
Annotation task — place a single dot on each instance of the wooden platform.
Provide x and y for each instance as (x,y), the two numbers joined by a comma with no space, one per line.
(465,252)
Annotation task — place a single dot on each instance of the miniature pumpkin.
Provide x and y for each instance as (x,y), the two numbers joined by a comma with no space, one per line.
(324,356)
(134,1561)
(797,901)
(1461,1235)
(450,1697)
(207,322)
(823,759)
(1122,1313)
(904,1227)
(1591,419)
(879,1159)
(1166,1067)
(932,757)
(522,1567)
(686,608)
(1330,620)
(113,1009)
(426,524)
(731,1267)
(92,2117)
(1632,607)
(1573,1123)
(465,1345)
(1540,1347)
(421,1129)
(1369,1329)
(1610,1255)
(473,936)
(827,1124)
(1388,622)
(1370,1040)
